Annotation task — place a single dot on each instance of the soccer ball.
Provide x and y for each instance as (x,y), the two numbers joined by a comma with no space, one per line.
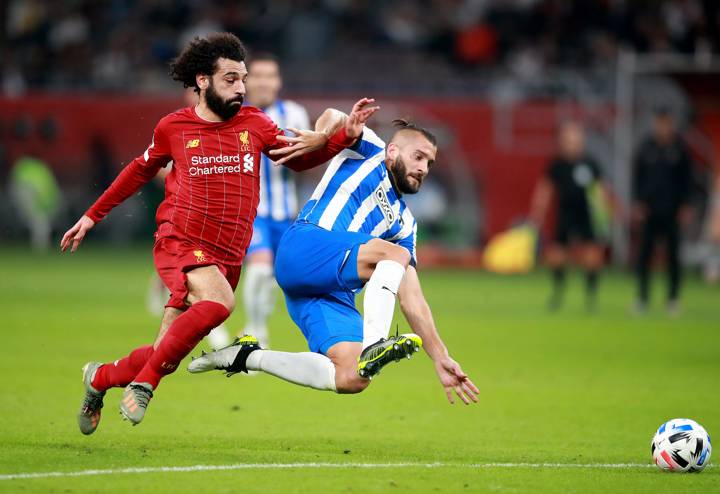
(681,445)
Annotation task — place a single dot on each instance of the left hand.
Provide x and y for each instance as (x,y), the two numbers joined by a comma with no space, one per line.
(361,113)
(305,141)
(455,380)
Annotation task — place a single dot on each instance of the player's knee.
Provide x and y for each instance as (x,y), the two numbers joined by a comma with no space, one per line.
(224,297)
(396,253)
(209,284)
(228,300)
(349,382)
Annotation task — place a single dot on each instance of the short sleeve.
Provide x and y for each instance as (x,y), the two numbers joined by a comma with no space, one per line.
(369,144)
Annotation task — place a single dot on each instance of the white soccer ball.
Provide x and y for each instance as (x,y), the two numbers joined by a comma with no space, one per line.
(681,445)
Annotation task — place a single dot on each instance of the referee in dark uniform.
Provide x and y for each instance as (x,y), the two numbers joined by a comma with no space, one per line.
(662,185)
(572,177)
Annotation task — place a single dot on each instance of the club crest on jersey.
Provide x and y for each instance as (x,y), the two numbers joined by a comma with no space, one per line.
(199,256)
(244,138)
(384,203)
(192,143)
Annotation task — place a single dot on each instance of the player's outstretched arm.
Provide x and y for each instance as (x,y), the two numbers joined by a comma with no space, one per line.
(136,174)
(129,181)
(419,316)
(335,132)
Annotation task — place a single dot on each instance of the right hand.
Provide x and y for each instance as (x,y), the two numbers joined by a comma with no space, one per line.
(76,234)
(453,379)
(304,141)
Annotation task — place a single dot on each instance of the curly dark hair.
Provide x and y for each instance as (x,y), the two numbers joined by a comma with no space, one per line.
(405,124)
(200,56)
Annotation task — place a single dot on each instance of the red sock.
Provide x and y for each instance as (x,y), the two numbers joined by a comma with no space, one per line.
(121,372)
(182,336)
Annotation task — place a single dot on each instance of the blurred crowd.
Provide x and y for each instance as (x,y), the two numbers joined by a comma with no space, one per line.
(124,44)
(426,47)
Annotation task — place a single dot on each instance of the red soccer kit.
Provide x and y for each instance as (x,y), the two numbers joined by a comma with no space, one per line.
(211,193)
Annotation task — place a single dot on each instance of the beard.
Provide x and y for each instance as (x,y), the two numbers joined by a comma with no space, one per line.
(400,174)
(225,109)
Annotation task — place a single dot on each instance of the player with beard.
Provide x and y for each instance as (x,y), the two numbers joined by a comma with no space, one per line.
(205,221)
(355,231)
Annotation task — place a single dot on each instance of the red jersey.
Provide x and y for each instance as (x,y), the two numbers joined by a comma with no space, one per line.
(212,191)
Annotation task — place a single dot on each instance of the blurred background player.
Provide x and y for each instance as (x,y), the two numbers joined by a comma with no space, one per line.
(662,186)
(278,198)
(34,191)
(575,181)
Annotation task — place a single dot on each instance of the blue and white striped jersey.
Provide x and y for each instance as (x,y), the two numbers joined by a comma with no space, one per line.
(278,198)
(357,195)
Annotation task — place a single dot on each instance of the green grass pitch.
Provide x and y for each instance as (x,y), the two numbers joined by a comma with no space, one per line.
(564,389)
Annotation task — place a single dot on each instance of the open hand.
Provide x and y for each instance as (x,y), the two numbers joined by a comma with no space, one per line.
(454,380)
(361,113)
(307,141)
(76,234)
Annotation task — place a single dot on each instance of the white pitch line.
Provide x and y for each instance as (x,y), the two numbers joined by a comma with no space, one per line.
(281,466)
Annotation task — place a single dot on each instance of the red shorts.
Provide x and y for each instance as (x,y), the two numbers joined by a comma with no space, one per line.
(174,257)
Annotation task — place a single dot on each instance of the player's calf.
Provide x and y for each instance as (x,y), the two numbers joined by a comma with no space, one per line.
(347,380)
(181,337)
(344,356)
